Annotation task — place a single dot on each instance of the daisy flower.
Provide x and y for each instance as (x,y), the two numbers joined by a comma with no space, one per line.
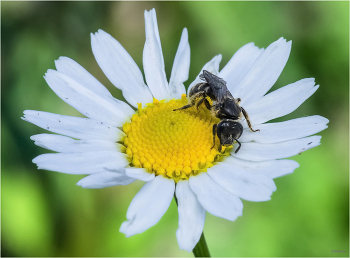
(144,139)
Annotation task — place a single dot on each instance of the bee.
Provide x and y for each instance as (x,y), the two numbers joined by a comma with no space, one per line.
(224,106)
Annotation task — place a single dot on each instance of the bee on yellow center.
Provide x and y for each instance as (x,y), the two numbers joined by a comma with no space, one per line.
(173,144)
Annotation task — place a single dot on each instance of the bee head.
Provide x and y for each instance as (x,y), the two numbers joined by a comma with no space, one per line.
(228,131)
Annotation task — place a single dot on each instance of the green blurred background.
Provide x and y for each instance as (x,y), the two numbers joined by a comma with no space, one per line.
(46,214)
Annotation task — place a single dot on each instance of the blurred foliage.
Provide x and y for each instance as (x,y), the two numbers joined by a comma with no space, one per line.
(46,214)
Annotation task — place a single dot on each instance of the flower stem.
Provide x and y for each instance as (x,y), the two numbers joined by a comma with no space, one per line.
(201,248)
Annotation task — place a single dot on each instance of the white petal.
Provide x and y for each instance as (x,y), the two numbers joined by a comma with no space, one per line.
(191,217)
(285,131)
(61,143)
(264,151)
(82,163)
(153,61)
(77,127)
(214,198)
(264,72)
(120,68)
(181,67)
(271,168)
(212,66)
(76,72)
(246,185)
(148,206)
(280,102)
(239,65)
(104,179)
(86,101)
(139,173)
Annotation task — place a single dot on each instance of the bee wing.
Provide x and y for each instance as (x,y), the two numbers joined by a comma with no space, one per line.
(219,89)
(217,85)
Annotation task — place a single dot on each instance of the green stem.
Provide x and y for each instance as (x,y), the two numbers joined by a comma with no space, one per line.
(201,248)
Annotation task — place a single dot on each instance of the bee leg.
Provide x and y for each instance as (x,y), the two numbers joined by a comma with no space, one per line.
(207,104)
(238,146)
(220,148)
(238,100)
(245,114)
(192,101)
(200,102)
(214,134)
(185,107)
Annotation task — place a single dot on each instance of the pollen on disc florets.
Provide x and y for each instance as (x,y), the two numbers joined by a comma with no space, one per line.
(171,143)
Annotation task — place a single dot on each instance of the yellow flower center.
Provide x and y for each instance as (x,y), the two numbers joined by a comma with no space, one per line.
(175,144)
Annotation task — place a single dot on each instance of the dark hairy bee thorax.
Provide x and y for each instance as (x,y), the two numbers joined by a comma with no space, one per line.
(224,106)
